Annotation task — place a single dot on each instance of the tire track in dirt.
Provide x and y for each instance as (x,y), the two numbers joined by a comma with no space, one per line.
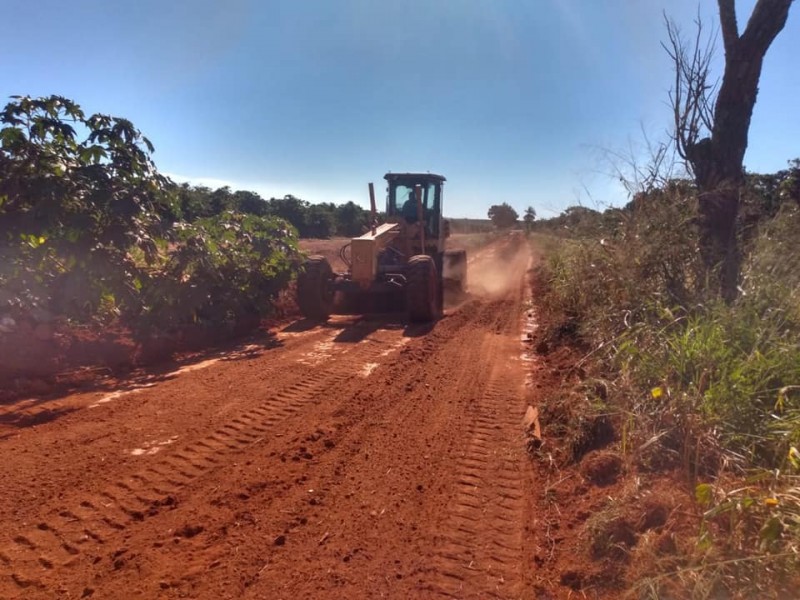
(479,548)
(458,418)
(391,454)
(60,540)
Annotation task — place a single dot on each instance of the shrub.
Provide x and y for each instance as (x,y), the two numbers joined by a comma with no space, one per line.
(91,231)
(221,269)
(77,194)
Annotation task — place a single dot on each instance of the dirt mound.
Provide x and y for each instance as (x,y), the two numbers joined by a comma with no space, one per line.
(602,468)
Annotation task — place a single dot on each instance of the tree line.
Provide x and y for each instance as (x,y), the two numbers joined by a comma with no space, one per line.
(761,197)
(323,220)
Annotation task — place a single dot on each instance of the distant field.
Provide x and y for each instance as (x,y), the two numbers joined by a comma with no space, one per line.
(330,248)
(327,248)
(470,225)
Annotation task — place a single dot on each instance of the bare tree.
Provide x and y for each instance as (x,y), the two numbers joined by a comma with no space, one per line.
(712,121)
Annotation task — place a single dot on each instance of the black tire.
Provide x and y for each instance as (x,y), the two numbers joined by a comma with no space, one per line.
(422,289)
(315,289)
(455,271)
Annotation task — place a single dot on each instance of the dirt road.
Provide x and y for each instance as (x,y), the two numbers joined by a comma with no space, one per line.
(360,459)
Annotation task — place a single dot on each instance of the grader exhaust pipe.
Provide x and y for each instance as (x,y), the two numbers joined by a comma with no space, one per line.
(373,211)
(418,194)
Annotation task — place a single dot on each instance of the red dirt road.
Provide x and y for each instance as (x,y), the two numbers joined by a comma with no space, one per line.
(360,459)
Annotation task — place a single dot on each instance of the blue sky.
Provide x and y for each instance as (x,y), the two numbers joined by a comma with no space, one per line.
(512,100)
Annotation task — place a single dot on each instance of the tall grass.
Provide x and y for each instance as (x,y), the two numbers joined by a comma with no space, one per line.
(697,384)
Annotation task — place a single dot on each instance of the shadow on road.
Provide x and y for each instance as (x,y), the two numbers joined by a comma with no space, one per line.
(301,326)
(36,401)
(354,329)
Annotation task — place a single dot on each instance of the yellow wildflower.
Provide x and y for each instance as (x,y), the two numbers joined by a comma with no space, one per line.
(794,457)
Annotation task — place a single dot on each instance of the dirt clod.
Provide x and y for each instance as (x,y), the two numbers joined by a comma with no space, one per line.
(654,515)
(602,468)
(611,536)
(189,531)
(665,544)
(593,433)
(572,579)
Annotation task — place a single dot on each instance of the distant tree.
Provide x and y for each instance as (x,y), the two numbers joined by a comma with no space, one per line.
(222,200)
(351,219)
(529,218)
(503,215)
(250,203)
(194,201)
(320,222)
(576,221)
(291,209)
(711,123)
(790,187)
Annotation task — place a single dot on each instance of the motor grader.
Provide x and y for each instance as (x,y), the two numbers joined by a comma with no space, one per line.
(397,265)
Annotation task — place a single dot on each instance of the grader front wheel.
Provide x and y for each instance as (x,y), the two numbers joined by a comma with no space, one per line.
(422,289)
(314,289)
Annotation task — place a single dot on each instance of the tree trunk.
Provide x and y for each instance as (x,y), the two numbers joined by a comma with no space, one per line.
(718,162)
(718,245)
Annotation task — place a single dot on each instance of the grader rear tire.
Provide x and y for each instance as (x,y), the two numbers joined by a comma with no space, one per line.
(422,289)
(315,290)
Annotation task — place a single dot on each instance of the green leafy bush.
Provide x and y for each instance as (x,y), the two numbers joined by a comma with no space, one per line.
(77,194)
(221,269)
(91,231)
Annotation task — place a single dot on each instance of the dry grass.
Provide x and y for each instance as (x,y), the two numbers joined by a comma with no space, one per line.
(692,386)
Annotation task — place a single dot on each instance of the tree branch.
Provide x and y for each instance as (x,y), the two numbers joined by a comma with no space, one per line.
(693,94)
(730,29)
(766,22)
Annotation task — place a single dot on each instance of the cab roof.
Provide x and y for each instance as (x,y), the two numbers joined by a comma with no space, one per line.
(422,177)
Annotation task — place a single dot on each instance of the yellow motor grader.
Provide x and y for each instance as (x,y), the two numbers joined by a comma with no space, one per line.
(398,265)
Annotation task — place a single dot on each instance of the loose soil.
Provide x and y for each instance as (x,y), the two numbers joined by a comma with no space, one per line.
(357,459)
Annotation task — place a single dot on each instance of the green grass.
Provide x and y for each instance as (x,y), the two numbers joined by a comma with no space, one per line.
(697,384)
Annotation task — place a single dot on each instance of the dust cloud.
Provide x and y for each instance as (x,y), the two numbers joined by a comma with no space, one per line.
(494,271)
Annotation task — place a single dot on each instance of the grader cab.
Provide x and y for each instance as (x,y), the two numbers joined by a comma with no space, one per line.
(401,264)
